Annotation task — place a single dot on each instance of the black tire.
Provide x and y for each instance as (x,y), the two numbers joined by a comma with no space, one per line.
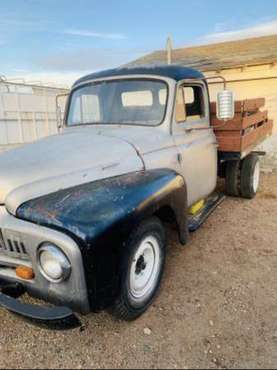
(126,307)
(232,178)
(248,185)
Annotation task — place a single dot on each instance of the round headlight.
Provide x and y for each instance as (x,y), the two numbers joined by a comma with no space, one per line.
(53,263)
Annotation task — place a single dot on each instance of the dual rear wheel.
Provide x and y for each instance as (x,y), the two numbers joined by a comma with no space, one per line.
(242,177)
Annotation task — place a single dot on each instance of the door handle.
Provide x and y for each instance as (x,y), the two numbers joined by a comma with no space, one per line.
(179,157)
(188,129)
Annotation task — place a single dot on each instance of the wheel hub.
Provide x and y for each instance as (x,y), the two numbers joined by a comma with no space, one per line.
(141,265)
(145,268)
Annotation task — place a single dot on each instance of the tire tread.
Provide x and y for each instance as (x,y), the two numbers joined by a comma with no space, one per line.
(247,173)
(232,187)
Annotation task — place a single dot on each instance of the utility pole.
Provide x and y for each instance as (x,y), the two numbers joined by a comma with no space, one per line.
(169,50)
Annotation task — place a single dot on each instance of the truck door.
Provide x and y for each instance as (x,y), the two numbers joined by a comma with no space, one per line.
(195,139)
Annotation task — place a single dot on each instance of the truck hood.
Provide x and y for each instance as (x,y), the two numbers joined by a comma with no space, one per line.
(62,161)
(145,139)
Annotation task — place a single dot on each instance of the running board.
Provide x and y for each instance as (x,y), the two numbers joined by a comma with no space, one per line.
(194,222)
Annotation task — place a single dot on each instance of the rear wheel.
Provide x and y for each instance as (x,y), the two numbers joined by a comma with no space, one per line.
(142,269)
(232,177)
(250,176)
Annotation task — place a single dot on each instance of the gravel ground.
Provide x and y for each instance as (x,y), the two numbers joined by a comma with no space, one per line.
(217,307)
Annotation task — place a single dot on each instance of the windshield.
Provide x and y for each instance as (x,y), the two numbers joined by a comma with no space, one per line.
(130,102)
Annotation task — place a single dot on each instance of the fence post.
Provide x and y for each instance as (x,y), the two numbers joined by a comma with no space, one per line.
(19,116)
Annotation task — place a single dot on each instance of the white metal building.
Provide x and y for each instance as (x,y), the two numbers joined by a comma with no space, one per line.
(27,112)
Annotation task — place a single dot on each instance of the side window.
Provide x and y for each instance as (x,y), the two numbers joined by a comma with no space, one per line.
(180,110)
(190,104)
(194,101)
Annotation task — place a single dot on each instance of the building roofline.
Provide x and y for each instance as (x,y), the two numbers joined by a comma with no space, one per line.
(219,56)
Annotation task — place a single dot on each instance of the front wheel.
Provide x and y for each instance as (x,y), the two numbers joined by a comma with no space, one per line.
(141,270)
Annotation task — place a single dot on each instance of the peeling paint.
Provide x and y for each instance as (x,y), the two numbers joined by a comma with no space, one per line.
(91,209)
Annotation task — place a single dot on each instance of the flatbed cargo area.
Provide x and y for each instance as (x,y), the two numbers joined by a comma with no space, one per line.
(249,127)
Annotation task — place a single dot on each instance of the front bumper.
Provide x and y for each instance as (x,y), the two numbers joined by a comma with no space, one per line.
(55,317)
(21,241)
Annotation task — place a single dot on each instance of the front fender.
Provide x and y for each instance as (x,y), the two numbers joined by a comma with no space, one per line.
(100,216)
(89,210)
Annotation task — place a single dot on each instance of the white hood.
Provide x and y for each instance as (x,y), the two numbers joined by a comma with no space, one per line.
(61,161)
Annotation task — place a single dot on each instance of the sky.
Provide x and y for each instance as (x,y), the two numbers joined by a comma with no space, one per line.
(57,41)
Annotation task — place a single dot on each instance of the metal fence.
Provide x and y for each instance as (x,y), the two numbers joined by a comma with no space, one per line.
(28,112)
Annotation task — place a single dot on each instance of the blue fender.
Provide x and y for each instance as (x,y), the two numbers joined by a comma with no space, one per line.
(100,216)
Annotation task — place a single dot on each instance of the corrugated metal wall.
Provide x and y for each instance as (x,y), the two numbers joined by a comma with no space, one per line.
(26,113)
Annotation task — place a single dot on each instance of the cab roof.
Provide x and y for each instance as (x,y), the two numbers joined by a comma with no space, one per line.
(176,72)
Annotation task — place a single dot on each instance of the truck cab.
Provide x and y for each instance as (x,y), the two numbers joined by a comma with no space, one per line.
(83,213)
(163,112)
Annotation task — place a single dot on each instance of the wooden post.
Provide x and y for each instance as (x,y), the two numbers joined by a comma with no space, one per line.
(169,50)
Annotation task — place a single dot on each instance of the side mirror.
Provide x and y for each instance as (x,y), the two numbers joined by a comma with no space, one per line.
(60,108)
(59,118)
(225,107)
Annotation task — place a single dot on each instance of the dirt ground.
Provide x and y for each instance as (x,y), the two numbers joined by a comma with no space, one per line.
(217,307)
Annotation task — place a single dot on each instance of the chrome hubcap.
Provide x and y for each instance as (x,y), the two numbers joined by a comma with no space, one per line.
(145,268)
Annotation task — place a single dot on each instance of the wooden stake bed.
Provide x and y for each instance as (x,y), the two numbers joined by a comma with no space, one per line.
(249,127)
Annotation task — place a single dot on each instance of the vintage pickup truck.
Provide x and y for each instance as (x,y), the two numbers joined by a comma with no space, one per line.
(82,213)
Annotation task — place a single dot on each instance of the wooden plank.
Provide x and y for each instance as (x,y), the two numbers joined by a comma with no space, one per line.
(234,133)
(252,105)
(213,108)
(243,141)
(238,107)
(234,124)
(239,122)
(229,143)
(253,119)
(248,128)
(247,105)
(256,136)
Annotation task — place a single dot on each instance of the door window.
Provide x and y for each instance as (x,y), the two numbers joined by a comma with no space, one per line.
(180,110)
(190,103)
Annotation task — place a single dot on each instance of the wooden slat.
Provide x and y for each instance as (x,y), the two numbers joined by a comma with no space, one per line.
(229,143)
(213,107)
(249,127)
(234,124)
(238,107)
(239,122)
(252,105)
(253,119)
(256,136)
(247,105)
(235,141)
(234,133)
(243,141)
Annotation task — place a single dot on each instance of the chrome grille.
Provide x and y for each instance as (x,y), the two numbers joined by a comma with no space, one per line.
(2,245)
(13,246)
